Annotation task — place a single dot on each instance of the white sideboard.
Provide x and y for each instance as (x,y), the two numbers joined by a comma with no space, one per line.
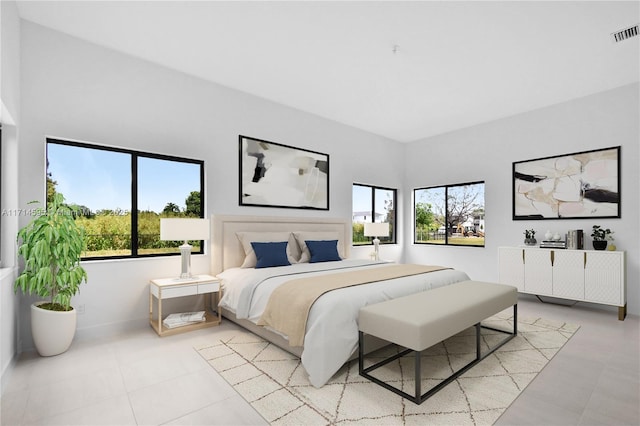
(582,275)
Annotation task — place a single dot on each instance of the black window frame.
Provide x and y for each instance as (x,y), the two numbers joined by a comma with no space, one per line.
(134,192)
(446,209)
(393,237)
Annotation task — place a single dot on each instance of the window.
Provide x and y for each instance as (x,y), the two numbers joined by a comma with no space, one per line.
(122,194)
(450,215)
(373,204)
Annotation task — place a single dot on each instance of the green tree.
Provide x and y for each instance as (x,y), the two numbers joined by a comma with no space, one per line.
(148,230)
(51,186)
(424,215)
(462,201)
(390,209)
(193,204)
(358,233)
(80,210)
(171,209)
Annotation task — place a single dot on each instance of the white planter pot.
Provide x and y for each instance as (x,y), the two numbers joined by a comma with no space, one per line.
(52,331)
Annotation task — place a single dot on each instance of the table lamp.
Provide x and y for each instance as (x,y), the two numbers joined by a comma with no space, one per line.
(175,229)
(376,230)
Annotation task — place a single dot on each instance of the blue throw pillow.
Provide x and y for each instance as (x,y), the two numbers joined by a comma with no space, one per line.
(323,250)
(270,254)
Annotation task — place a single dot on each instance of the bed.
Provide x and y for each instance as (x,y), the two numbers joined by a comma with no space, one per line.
(331,335)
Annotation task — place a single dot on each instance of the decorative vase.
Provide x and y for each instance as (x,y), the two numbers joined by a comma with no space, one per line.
(530,241)
(548,235)
(556,237)
(600,244)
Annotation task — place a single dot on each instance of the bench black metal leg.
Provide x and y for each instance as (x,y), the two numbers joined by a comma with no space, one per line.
(478,349)
(418,398)
(418,377)
(360,352)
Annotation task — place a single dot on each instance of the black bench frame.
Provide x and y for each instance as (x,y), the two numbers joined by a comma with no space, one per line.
(419,398)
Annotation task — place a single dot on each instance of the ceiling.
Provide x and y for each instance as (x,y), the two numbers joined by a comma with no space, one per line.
(403,70)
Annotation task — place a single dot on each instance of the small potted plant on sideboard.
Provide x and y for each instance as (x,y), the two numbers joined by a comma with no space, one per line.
(530,237)
(600,237)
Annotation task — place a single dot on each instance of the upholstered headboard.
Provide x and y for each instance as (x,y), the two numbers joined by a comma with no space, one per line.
(227,251)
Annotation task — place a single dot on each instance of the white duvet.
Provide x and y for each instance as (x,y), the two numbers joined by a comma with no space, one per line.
(332,330)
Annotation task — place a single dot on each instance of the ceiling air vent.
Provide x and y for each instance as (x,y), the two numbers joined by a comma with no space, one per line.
(618,36)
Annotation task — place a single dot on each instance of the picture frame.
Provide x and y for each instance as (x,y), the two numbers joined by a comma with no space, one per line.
(277,175)
(582,185)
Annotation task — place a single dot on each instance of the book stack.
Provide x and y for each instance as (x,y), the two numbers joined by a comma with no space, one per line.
(554,244)
(182,319)
(575,239)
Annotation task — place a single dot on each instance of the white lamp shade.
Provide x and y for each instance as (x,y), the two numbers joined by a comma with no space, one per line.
(376,229)
(184,229)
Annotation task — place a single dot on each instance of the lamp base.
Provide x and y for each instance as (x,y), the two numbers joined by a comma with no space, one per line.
(376,244)
(185,259)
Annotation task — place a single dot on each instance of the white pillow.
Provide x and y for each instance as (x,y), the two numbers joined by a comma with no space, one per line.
(246,238)
(301,237)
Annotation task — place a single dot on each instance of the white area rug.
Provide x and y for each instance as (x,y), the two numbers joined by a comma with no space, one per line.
(275,383)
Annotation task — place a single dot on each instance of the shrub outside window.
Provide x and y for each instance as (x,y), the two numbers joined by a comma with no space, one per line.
(373,204)
(122,194)
(450,215)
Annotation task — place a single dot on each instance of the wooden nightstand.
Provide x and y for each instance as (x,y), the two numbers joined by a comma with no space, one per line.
(167,288)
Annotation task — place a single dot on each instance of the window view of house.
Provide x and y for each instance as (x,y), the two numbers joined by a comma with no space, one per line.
(373,204)
(450,215)
(121,196)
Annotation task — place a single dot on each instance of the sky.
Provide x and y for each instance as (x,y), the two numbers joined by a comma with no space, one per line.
(362,199)
(101,179)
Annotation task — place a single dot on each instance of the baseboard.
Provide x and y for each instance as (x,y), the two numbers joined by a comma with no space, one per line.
(113,329)
(102,331)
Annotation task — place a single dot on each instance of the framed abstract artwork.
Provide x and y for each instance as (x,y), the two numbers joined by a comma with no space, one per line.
(276,175)
(572,186)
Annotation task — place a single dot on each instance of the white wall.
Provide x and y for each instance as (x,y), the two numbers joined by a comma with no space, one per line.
(486,152)
(77,90)
(10,96)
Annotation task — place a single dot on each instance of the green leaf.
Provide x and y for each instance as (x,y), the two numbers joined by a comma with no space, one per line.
(51,246)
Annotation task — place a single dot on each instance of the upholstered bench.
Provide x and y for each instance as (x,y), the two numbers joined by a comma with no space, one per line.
(419,321)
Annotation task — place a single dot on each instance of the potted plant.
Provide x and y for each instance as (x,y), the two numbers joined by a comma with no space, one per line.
(51,247)
(600,237)
(529,237)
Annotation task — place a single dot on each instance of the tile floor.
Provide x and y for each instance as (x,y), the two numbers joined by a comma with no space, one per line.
(141,379)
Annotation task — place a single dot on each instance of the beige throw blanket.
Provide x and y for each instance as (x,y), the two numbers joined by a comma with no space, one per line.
(289,304)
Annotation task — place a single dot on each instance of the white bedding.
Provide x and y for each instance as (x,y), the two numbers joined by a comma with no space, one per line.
(332,330)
